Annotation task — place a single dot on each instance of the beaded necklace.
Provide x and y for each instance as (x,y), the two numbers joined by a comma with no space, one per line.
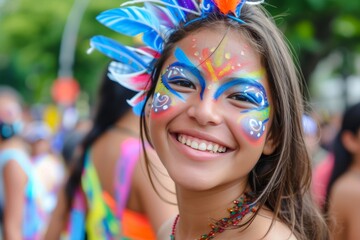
(242,206)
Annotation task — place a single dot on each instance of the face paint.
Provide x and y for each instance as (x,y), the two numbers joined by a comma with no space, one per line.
(182,72)
(216,63)
(253,123)
(161,101)
(248,89)
(220,72)
(251,97)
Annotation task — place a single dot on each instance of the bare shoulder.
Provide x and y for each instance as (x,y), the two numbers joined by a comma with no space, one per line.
(263,228)
(345,190)
(280,231)
(165,230)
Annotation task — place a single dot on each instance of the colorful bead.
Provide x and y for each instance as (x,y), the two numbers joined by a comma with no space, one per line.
(242,206)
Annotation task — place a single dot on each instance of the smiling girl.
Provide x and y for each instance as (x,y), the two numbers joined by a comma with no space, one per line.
(225,118)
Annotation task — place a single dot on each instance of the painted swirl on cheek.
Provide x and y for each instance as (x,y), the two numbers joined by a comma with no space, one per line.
(161,103)
(253,123)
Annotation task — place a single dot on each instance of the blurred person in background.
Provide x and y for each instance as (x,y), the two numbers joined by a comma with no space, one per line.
(48,166)
(108,194)
(319,158)
(343,190)
(312,140)
(71,146)
(21,217)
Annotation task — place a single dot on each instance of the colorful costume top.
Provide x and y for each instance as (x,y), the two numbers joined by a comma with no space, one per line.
(33,218)
(97,213)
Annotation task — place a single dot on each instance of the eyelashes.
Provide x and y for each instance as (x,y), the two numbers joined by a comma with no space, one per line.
(244,97)
(248,100)
(181,83)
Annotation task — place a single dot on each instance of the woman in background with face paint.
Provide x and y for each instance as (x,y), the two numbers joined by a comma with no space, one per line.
(225,119)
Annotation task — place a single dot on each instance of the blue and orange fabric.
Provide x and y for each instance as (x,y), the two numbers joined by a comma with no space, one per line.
(100,215)
(33,220)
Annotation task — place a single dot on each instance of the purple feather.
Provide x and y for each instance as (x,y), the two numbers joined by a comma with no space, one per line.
(163,14)
(189,4)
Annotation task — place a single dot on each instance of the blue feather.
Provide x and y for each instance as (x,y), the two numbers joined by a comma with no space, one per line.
(130,21)
(118,52)
(153,40)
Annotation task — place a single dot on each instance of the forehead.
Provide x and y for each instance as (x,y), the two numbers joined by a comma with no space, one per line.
(218,52)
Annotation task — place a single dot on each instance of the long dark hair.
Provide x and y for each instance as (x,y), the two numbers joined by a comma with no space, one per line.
(111,106)
(282,179)
(342,157)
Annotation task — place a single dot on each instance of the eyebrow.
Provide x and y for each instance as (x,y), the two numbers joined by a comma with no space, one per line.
(238,81)
(185,62)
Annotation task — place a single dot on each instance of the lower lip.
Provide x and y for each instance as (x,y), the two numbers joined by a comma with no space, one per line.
(194,154)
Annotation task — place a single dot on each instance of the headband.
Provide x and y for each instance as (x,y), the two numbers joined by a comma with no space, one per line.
(155,21)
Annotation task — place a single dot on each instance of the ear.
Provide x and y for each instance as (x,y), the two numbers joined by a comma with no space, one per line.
(269,146)
(349,141)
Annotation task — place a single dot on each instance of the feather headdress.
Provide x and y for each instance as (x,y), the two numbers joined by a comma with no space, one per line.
(155,20)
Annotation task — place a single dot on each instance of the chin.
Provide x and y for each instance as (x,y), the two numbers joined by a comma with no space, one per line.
(192,182)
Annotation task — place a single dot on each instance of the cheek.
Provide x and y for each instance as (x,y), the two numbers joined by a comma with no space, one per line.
(253,125)
(161,103)
(164,101)
(164,105)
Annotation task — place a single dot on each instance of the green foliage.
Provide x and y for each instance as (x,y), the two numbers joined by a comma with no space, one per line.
(30,40)
(316,28)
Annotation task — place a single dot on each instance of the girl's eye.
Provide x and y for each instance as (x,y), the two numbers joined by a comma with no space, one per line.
(182,83)
(243,98)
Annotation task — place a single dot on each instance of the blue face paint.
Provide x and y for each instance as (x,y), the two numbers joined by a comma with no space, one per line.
(185,62)
(250,91)
(181,74)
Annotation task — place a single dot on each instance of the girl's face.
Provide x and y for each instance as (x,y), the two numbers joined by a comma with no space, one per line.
(211,110)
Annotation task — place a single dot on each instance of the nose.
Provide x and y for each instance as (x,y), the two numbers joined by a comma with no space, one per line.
(206,111)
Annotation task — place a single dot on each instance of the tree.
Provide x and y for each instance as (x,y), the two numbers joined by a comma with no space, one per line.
(316,28)
(30,42)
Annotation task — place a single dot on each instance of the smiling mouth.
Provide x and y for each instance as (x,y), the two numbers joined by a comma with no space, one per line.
(201,145)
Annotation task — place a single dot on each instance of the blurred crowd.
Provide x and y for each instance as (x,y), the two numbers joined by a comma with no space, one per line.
(34,158)
(333,143)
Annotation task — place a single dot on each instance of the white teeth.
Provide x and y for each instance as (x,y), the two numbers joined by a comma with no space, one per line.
(201,145)
(215,148)
(194,145)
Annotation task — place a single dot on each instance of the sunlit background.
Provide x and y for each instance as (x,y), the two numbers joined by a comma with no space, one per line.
(42,41)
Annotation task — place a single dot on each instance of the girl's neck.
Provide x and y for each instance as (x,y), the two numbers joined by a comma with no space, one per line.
(198,209)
